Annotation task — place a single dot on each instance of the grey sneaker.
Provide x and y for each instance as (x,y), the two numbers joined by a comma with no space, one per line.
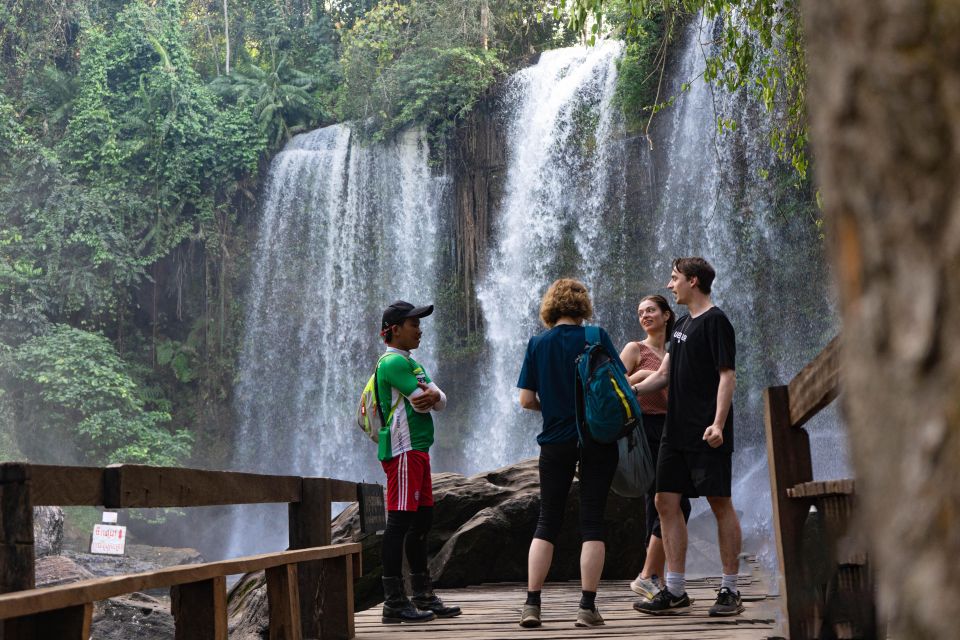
(530,617)
(727,604)
(589,618)
(645,587)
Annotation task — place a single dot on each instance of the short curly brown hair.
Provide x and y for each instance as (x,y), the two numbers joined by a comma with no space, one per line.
(565,297)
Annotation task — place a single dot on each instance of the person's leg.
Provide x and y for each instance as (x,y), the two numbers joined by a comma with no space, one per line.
(557,466)
(728,533)
(598,464)
(400,516)
(674,532)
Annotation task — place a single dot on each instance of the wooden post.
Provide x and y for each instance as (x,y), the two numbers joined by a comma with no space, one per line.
(788,457)
(336,604)
(310,527)
(200,609)
(16,528)
(70,623)
(283,598)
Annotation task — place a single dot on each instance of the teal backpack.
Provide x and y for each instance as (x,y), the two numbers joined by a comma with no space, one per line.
(607,410)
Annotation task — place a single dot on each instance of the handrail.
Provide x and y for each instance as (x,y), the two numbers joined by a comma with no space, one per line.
(33,601)
(816,385)
(24,485)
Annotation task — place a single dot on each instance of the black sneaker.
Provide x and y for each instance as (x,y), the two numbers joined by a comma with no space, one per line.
(664,604)
(727,604)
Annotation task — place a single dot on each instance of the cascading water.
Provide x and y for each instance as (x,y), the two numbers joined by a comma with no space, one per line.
(561,189)
(346,229)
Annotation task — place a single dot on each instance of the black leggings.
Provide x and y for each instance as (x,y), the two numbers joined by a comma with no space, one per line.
(558,462)
(414,527)
(653,426)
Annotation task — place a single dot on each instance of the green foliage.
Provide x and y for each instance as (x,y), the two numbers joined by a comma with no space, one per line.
(427,62)
(75,394)
(759,49)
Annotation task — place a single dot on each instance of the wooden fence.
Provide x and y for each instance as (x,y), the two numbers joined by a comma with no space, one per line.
(311,583)
(826,590)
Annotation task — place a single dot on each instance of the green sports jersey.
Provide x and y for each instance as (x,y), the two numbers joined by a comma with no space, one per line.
(397,378)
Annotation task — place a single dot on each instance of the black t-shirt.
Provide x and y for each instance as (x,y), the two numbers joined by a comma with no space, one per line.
(699,348)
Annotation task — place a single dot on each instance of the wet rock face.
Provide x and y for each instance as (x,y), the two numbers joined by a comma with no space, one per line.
(47,531)
(134,616)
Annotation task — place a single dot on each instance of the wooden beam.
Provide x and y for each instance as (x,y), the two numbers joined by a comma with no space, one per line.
(60,486)
(788,458)
(310,527)
(283,599)
(342,490)
(16,528)
(71,623)
(336,621)
(816,385)
(200,609)
(142,486)
(48,598)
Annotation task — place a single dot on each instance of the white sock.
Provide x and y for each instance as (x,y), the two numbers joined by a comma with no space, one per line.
(676,583)
(730,582)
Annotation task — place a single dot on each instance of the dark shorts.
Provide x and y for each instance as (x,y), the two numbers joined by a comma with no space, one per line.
(705,472)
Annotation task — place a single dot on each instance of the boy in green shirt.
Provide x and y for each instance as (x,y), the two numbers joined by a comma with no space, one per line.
(407,395)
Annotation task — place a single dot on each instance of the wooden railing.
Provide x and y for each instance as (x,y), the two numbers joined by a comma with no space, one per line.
(808,541)
(317,576)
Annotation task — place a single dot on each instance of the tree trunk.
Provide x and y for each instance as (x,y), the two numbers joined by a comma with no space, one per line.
(485,23)
(884,106)
(226,38)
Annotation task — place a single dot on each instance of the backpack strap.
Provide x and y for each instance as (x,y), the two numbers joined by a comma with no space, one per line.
(593,333)
(376,388)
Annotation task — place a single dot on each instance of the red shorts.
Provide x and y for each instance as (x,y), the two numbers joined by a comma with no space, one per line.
(409,486)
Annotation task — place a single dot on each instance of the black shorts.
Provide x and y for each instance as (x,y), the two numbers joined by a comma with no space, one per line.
(704,472)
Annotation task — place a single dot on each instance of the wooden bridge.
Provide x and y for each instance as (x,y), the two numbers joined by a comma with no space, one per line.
(310,586)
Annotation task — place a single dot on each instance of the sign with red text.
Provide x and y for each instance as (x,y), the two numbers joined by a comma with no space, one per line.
(109,539)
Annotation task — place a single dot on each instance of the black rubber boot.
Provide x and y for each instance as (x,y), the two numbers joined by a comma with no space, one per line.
(397,608)
(424,598)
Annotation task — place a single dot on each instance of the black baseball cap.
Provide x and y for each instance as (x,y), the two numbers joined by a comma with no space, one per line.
(399,311)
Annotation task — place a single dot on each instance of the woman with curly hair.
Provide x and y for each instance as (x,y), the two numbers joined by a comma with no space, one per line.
(547,385)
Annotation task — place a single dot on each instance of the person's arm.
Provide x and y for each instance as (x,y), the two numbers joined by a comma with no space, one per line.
(428,397)
(529,400)
(656,380)
(640,375)
(397,372)
(728,382)
(630,356)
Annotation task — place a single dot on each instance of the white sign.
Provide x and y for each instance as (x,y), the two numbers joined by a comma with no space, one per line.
(108,538)
(109,517)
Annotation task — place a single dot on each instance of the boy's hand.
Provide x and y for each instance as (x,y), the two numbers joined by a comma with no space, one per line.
(426,400)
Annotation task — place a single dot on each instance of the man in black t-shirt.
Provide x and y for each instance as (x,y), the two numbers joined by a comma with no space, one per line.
(696,451)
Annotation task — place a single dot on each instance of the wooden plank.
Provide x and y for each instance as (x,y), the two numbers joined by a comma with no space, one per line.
(200,609)
(788,458)
(336,621)
(72,623)
(342,490)
(142,486)
(309,522)
(16,528)
(62,486)
(61,596)
(816,385)
(821,489)
(283,599)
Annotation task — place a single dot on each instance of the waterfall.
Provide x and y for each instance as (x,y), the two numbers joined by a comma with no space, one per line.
(346,229)
(561,188)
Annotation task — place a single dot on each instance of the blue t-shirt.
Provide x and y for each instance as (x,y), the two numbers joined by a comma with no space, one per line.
(550,369)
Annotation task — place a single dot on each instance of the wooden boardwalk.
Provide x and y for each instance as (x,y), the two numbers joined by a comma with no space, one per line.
(493,610)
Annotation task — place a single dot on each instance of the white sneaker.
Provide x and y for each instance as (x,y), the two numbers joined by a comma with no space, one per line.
(645,587)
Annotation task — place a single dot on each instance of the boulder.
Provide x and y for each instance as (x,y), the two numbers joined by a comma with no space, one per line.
(483,526)
(47,531)
(50,571)
(133,616)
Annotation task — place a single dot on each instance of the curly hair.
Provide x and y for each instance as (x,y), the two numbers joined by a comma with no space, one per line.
(565,297)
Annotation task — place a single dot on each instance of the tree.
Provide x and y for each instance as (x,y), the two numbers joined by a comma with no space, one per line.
(884,103)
